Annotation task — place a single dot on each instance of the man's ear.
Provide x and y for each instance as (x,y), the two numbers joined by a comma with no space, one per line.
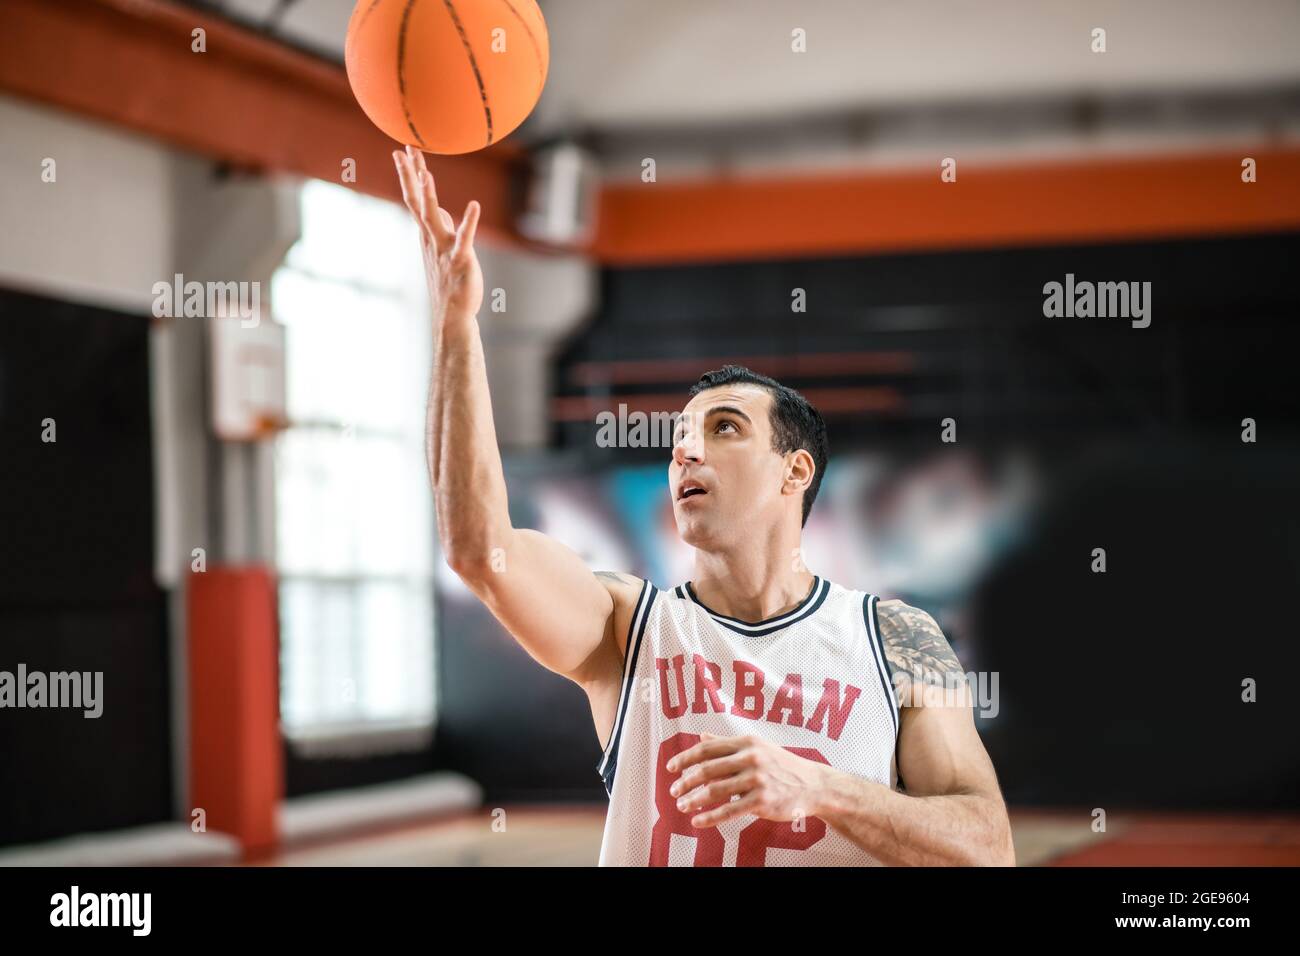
(799,471)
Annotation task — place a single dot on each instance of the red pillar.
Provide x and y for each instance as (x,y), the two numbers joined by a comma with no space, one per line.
(236,760)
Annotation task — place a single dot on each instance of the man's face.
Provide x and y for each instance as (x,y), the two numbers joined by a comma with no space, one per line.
(724,477)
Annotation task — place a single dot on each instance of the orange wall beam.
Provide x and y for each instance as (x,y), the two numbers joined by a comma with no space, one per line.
(988,206)
(248,100)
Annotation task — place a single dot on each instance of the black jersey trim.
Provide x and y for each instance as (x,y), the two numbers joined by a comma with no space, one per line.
(883,669)
(808,606)
(871,617)
(635,631)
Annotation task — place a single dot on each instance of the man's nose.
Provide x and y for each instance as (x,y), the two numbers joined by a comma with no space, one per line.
(688,448)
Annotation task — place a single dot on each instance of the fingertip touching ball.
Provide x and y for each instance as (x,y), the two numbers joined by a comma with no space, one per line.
(447,76)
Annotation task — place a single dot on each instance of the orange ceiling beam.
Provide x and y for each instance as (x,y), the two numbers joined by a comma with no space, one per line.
(1098,200)
(247,100)
(254,103)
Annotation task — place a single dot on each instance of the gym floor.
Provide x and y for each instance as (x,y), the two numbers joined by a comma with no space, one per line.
(570,836)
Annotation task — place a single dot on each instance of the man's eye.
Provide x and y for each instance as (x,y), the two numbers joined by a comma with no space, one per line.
(726,424)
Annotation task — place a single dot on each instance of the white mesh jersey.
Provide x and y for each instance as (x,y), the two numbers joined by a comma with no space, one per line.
(814,680)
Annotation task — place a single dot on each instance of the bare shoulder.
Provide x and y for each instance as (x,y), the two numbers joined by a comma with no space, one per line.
(917,651)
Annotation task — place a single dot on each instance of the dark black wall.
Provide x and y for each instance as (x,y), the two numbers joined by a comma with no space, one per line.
(1219,346)
(1124,689)
(76,570)
(523,733)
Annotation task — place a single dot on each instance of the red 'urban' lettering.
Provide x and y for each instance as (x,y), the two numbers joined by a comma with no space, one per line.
(748,696)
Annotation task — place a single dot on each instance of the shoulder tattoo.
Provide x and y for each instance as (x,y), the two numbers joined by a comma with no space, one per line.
(917,651)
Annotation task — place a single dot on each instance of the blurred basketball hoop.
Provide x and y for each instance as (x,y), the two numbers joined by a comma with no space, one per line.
(248,396)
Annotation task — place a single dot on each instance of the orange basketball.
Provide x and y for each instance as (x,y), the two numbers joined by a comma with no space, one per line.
(447,76)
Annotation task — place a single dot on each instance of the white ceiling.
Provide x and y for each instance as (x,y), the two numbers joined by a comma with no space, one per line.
(617,62)
(623,64)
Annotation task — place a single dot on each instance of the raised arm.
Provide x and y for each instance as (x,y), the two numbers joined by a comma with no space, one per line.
(540,590)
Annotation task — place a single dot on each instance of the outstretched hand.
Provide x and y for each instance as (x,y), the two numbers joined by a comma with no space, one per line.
(450,264)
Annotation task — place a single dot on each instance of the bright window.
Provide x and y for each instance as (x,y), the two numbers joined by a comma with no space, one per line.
(354,523)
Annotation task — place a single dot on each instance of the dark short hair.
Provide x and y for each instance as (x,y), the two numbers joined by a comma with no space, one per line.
(795,422)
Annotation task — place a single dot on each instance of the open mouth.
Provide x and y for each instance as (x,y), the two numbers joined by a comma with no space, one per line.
(690,490)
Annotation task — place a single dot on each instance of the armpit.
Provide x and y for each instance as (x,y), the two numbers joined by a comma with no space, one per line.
(617,576)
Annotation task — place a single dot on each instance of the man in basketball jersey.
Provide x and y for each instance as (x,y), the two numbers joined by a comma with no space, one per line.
(756,715)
